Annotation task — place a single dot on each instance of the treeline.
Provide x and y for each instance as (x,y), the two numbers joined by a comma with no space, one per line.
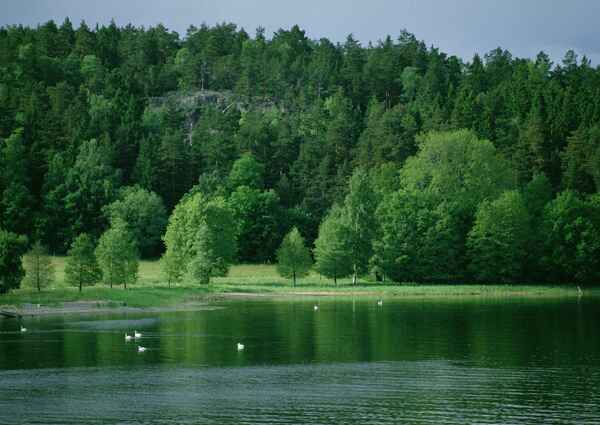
(84,142)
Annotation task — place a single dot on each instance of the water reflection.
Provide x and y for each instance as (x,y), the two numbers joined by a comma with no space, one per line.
(406,361)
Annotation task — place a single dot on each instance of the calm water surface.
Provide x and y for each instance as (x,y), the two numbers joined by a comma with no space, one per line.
(414,362)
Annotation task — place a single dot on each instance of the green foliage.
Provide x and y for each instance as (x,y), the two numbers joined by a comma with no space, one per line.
(293,258)
(117,255)
(358,218)
(213,255)
(258,219)
(82,268)
(571,227)
(145,215)
(39,270)
(181,238)
(420,239)
(499,240)
(85,111)
(246,171)
(332,250)
(15,201)
(12,249)
(458,167)
(581,161)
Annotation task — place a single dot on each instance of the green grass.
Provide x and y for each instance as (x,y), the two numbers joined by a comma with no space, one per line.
(152,290)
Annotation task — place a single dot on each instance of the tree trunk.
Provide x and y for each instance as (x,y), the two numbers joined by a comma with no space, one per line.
(294,280)
(37,273)
(354,279)
(335,279)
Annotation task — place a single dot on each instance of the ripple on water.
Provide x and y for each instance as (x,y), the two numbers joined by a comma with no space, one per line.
(369,393)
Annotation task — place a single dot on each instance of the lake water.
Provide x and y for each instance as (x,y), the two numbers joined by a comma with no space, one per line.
(350,362)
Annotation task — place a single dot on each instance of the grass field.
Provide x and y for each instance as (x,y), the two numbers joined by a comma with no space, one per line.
(151,290)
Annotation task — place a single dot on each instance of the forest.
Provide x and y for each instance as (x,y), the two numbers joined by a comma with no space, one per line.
(391,159)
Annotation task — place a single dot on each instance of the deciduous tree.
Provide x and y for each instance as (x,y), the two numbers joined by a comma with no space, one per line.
(293,258)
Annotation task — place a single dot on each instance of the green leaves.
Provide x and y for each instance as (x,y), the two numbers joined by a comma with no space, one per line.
(200,231)
(571,226)
(145,215)
(293,258)
(117,255)
(12,249)
(82,268)
(499,239)
(39,270)
(457,166)
(332,248)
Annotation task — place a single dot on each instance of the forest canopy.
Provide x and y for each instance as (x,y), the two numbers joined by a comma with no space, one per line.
(105,122)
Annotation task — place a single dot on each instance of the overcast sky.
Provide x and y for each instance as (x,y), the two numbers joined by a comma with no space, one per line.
(459,27)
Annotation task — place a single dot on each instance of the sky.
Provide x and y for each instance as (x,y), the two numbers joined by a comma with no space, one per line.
(457,27)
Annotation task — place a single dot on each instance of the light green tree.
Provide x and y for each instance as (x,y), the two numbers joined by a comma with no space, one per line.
(212,258)
(181,238)
(358,218)
(247,171)
(293,258)
(145,215)
(82,268)
(497,244)
(419,239)
(39,270)
(457,166)
(571,226)
(332,253)
(117,255)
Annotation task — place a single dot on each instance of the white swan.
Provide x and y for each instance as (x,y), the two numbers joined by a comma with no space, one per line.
(141,349)
(380,303)
(240,346)
(128,337)
(316,307)
(23,329)
(137,334)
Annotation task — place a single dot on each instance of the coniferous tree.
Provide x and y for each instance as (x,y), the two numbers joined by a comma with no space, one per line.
(16,200)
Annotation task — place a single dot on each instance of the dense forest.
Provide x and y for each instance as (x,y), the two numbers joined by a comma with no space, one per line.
(392,158)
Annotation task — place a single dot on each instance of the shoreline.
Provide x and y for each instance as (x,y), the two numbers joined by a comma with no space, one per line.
(179,299)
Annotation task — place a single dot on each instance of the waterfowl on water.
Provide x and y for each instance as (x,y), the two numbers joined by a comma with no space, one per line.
(141,349)
(23,329)
(316,307)
(128,337)
(240,346)
(380,303)
(137,334)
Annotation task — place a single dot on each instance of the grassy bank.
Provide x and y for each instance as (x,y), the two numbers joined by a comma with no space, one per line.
(151,289)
